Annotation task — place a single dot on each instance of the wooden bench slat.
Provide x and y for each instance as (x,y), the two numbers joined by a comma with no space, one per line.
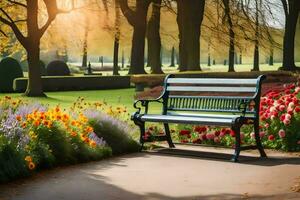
(211,97)
(209,115)
(212,81)
(188,119)
(211,89)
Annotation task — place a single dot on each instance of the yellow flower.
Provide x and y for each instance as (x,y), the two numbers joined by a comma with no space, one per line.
(93,144)
(28,159)
(31,166)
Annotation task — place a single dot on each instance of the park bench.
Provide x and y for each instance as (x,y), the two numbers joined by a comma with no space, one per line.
(205,101)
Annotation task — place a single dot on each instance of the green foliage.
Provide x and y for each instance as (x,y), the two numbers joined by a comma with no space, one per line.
(9,70)
(58,142)
(58,68)
(115,135)
(12,164)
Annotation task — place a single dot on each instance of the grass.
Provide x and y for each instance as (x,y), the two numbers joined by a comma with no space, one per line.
(66,99)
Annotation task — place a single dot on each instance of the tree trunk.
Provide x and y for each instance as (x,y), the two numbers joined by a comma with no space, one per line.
(231,36)
(85,44)
(173,57)
(236,59)
(154,41)
(116,57)
(117,39)
(34,85)
(138,20)
(256,58)
(84,56)
(241,59)
(256,42)
(208,60)
(189,20)
(289,36)
(123,60)
(271,58)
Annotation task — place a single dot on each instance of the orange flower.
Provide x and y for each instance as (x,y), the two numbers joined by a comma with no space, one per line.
(93,144)
(73,134)
(36,123)
(46,123)
(89,129)
(66,117)
(57,109)
(18,117)
(28,159)
(58,117)
(24,125)
(31,166)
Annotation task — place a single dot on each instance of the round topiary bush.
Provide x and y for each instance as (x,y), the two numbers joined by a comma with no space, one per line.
(58,68)
(24,65)
(10,69)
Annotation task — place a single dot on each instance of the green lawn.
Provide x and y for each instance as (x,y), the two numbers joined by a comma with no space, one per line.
(66,99)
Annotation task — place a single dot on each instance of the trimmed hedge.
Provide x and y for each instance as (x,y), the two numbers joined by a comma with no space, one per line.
(153,80)
(70,83)
(58,68)
(9,70)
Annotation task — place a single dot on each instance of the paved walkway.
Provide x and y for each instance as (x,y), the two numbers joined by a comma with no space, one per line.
(165,175)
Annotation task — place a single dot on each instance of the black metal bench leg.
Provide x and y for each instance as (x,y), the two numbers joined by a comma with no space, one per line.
(258,140)
(168,135)
(142,129)
(237,144)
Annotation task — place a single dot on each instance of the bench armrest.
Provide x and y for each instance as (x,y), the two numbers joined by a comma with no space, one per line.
(145,103)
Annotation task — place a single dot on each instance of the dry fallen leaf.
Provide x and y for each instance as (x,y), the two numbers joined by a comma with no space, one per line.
(296,187)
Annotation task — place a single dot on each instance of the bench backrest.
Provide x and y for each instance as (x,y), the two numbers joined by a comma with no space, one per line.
(234,96)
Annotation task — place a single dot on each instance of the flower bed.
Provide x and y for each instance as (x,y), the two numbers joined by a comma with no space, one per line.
(279,125)
(34,136)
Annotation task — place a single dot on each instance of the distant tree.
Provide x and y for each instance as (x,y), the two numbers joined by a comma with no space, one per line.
(31,41)
(137,18)
(190,15)
(154,40)
(117,37)
(85,43)
(231,35)
(173,57)
(291,10)
(257,35)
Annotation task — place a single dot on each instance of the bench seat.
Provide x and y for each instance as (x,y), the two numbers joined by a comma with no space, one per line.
(209,120)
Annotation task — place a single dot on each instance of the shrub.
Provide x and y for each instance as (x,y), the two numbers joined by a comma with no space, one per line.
(71,83)
(58,68)
(12,164)
(113,131)
(24,65)
(9,70)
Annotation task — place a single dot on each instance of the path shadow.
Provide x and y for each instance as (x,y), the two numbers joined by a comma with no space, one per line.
(225,157)
(81,183)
